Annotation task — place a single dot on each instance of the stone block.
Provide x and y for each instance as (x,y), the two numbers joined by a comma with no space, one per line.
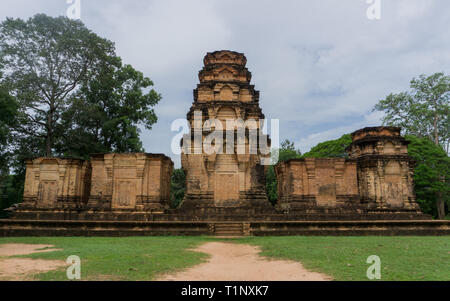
(316,183)
(56,183)
(134,181)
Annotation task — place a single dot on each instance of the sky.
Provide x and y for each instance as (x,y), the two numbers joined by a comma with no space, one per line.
(320,65)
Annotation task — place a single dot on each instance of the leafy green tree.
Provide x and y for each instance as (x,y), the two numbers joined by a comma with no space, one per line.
(8,115)
(287,151)
(330,149)
(424,111)
(178,186)
(10,189)
(45,60)
(432,165)
(74,96)
(104,116)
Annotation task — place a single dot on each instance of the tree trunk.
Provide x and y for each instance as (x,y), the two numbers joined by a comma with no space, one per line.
(49,138)
(48,151)
(440,206)
(436,131)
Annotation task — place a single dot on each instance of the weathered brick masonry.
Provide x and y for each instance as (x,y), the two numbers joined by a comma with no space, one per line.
(369,192)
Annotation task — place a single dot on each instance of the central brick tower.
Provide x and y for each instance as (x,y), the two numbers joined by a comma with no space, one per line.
(228,175)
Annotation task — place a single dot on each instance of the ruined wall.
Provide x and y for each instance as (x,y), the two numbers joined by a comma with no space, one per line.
(385,171)
(56,183)
(378,176)
(316,182)
(130,181)
(136,182)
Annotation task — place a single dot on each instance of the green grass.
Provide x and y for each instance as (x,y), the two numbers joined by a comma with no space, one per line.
(344,258)
(124,258)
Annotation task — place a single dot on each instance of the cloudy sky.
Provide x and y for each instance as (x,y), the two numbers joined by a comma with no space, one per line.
(320,65)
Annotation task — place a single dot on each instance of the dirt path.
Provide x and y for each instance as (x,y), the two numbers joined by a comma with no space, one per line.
(25,268)
(237,262)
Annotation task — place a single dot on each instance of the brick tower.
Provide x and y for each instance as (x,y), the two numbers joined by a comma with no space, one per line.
(385,171)
(226,172)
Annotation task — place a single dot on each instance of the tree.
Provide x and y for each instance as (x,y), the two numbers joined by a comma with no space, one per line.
(104,115)
(8,115)
(432,165)
(424,111)
(330,149)
(178,187)
(74,95)
(45,60)
(10,189)
(287,151)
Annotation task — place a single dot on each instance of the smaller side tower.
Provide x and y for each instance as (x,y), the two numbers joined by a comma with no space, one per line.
(384,169)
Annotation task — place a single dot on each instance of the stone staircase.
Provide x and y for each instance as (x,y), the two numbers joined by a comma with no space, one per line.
(228,229)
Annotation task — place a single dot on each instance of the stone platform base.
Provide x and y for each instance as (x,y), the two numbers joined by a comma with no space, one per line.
(218,214)
(256,228)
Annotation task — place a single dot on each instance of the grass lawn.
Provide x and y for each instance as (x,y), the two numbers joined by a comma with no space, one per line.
(343,258)
(123,258)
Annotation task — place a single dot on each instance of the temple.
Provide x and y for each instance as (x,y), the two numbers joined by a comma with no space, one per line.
(225,157)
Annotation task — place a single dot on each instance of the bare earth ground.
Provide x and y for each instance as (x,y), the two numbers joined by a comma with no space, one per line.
(24,268)
(238,262)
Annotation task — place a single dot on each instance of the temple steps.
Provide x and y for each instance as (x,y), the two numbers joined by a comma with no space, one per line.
(228,229)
